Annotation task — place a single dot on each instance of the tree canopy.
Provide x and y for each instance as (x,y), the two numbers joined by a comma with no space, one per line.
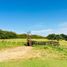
(11,35)
(57,36)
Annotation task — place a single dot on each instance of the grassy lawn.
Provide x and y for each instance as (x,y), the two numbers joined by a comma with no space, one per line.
(36,62)
(9,43)
(50,56)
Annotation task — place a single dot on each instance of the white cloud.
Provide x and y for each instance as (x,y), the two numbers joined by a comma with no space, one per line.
(44,32)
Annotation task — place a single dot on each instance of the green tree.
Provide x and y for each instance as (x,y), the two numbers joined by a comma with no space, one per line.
(57,37)
(63,36)
(51,36)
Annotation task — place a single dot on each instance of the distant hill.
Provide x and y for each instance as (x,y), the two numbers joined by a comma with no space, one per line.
(11,35)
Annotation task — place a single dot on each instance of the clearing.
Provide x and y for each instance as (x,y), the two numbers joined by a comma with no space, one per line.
(15,53)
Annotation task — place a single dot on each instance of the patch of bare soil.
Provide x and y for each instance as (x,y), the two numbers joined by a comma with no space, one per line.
(15,53)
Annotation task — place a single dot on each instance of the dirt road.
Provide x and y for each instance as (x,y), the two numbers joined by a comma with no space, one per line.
(15,53)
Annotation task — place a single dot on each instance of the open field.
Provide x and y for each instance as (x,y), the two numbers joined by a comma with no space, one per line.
(8,43)
(36,56)
(36,62)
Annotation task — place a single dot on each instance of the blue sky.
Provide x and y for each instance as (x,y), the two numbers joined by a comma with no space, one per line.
(41,17)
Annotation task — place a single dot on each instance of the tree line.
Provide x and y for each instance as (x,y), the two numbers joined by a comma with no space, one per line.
(11,35)
(57,37)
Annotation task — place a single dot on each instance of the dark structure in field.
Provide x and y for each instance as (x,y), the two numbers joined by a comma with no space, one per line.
(52,43)
(30,42)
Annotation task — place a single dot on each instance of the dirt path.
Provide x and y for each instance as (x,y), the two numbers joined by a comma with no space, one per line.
(15,53)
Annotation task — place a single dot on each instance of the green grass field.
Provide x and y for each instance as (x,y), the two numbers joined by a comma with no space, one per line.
(50,56)
(36,62)
(9,43)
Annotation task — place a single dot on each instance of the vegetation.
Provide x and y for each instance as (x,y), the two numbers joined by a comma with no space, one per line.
(57,37)
(8,43)
(35,62)
(7,35)
(49,56)
(13,35)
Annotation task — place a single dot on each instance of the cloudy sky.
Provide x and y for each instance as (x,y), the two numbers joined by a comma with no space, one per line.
(41,17)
